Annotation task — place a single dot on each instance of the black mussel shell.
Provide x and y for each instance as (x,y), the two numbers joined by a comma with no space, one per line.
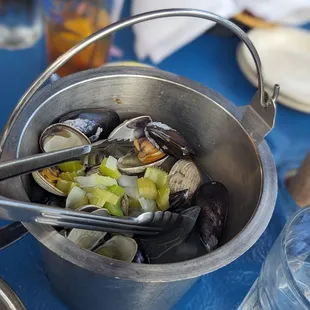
(156,248)
(94,123)
(54,201)
(179,201)
(168,140)
(140,258)
(213,199)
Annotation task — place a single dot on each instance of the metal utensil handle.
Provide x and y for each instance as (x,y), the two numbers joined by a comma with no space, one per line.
(264,99)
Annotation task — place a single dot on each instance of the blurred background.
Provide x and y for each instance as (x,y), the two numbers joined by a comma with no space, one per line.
(33,33)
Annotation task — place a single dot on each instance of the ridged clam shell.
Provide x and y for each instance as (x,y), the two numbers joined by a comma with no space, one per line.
(184,175)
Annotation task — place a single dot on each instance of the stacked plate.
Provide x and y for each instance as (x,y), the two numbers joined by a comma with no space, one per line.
(285,56)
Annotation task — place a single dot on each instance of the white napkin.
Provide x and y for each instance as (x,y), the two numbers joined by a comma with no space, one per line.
(160,38)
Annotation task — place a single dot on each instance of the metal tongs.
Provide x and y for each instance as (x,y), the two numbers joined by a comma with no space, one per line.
(147,223)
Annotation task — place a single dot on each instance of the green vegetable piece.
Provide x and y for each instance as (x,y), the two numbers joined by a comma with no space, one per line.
(108,167)
(94,180)
(117,190)
(65,186)
(134,203)
(163,198)
(108,196)
(94,200)
(160,177)
(114,209)
(71,166)
(147,188)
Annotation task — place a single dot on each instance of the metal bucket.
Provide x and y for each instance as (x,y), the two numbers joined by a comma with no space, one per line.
(230,146)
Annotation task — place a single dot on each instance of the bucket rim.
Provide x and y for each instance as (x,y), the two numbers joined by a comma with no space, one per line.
(222,256)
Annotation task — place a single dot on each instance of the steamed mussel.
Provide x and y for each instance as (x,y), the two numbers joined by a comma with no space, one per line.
(144,166)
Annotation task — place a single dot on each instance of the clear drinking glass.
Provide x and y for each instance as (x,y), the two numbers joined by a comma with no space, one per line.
(21,23)
(284,280)
(70,21)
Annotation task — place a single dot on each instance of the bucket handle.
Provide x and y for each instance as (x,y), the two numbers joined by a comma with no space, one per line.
(262,97)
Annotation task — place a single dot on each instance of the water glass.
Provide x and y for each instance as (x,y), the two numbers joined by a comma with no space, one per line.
(21,23)
(284,280)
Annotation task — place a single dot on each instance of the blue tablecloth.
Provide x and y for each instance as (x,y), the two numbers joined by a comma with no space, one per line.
(211,60)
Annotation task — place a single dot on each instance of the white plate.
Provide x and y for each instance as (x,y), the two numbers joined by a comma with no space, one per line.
(285,56)
(252,77)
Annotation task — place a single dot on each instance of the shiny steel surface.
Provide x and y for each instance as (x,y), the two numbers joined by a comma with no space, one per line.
(230,146)
(146,223)
(208,120)
(8,299)
(263,97)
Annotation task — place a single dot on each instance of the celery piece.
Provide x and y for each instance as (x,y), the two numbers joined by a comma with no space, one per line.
(147,188)
(65,186)
(68,176)
(70,166)
(108,196)
(162,199)
(160,177)
(134,203)
(108,167)
(114,209)
(76,199)
(94,200)
(117,190)
(92,188)
(94,180)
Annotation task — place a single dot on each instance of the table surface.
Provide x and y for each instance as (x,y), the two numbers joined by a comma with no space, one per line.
(211,60)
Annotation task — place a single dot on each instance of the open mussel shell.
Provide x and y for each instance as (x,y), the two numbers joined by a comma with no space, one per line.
(168,140)
(213,199)
(44,178)
(120,248)
(130,164)
(184,175)
(131,129)
(94,123)
(61,136)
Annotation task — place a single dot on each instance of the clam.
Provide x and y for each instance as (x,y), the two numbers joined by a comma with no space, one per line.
(125,205)
(47,179)
(168,140)
(61,136)
(131,129)
(84,238)
(184,175)
(213,199)
(56,137)
(94,123)
(130,163)
(119,247)
(161,248)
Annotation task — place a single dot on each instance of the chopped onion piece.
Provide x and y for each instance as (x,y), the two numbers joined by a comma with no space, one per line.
(148,205)
(77,198)
(127,181)
(111,163)
(132,192)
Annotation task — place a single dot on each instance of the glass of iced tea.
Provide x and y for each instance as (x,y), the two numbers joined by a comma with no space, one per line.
(70,21)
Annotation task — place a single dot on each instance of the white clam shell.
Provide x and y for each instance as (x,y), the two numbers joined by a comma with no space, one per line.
(122,248)
(184,175)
